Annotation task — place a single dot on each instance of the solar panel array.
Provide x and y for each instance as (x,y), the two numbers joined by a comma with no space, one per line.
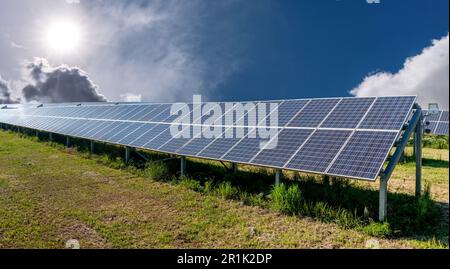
(347,137)
(436,122)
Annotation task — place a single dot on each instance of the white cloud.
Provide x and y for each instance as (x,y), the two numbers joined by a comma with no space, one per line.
(14,45)
(131,97)
(424,75)
(72,1)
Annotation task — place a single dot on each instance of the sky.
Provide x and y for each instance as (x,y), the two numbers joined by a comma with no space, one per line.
(168,50)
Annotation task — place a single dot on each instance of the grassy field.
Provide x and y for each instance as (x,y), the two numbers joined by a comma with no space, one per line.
(49,194)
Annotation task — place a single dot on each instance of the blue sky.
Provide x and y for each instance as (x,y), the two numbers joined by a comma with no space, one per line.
(231,50)
(325,48)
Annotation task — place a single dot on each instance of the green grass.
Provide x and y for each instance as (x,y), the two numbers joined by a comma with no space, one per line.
(105,203)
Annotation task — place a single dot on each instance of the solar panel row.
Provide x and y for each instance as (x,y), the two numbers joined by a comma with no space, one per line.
(436,122)
(348,137)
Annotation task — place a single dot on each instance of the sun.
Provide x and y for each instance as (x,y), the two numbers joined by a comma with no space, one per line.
(63,37)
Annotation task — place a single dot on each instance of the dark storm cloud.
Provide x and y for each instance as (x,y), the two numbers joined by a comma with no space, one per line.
(5,93)
(59,84)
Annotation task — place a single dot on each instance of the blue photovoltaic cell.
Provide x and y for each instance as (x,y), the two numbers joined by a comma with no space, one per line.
(442,128)
(127,128)
(143,111)
(282,148)
(129,113)
(318,152)
(112,129)
(444,116)
(388,113)
(348,113)
(246,149)
(159,139)
(364,154)
(101,131)
(176,141)
(141,129)
(100,125)
(83,129)
(194,146)
(148,135)
(288,109)
(219,146)
(433,116)
(313,113)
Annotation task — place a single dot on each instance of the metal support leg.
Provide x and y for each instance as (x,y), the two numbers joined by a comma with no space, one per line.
(418,151)
(278,177)
(127,154)
(383,200)
(92,146)
(234,167)
(183,166)
(37,133)
(50,136)
(67,141)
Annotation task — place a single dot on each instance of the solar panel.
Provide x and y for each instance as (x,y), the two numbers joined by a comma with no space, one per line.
(436,122)
(313,113)
(348,113)
(279,150)
(362,155)
(388,113)
(442,128)
(349,137)
(318,152)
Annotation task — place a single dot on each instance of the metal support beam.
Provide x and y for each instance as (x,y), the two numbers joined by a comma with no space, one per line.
(50,136)
(127,154)
(418,151)
(278,177)
(92,146)
(383,200)
(183,166)
(415,121)
(67,141)
(234,167)
(37,133)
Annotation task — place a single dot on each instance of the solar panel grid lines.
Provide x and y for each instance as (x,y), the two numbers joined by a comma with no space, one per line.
(287,109)
(288,141)
(163,132)
(199,134)
(240,155)
(149,130)
(296,114)
(141,128)
(318,151)
(214,140)
(314,113)
(147,110)
(442,128)
(444,116)
(355,159)
(384,114)
(436,123)
(348,113)
(351,135)
(312,133)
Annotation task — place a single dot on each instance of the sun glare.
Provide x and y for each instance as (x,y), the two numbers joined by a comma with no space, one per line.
(63,37)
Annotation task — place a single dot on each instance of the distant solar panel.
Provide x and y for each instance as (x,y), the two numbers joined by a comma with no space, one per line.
(349,137)
(436,122)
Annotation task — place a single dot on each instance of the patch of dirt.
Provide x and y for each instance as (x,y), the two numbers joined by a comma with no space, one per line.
(87,236)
